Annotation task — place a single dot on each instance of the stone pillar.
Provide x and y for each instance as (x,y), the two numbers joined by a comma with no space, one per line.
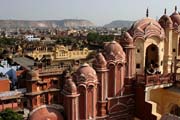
(102,75)
(168,51)
(102,92)
(130,72)
(31,82)
(130,58)
(70,100)
(129,48)
(130,66)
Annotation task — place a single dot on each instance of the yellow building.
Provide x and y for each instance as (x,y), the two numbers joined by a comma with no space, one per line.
(60,52)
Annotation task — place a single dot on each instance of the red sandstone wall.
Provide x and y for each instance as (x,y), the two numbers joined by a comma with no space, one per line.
(9,105)
(4,85)
(142,108)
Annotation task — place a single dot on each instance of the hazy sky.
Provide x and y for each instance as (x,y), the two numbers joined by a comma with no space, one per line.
(98,11)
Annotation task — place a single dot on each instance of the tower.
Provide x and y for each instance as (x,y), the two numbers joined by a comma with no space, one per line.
(32,90)
(129,48)
(116,60)
(86,80)
(100,66)
(70,100)
(166,22)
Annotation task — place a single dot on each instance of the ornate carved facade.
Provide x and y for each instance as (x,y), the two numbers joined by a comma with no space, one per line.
(89,93)
(119,83)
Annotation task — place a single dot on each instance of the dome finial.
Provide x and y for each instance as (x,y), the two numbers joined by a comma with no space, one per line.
(147,12)
(165,11)
(175,8)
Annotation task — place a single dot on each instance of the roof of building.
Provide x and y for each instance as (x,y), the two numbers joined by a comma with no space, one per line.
(12,94)
(33,75)
(4,78)
(41,92)
(127,40)
(114,51)
(24,62)
(146,27)
(100,61)
(165,21)
(172,21)
(86,73)
(175,17)
(70,87)
(46,112)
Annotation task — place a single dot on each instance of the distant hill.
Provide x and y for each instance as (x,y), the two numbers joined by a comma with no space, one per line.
(45,23)
(75,23)
(119,23)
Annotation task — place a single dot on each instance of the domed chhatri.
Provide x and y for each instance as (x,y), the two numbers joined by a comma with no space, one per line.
(175,17)
(100,61)
(46,112)
(145,28)
(86,74)
(114,51)
(70,87)
(172,21)
(165,21)
(127,40)
(33,75)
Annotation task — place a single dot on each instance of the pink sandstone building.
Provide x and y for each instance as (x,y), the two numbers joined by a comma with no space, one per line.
(134,76)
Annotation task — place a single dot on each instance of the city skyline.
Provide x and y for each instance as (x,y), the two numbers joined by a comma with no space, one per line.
(99,12)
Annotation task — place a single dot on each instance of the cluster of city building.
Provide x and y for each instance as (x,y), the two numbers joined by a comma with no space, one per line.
(135,76)
(33,34)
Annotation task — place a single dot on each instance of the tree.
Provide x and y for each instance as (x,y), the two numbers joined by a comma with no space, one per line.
(9,114)
(1,118)
(65,41)
(96,38)
(7,41)
(92,37)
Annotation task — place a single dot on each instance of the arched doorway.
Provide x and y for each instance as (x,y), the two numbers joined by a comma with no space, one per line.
(152,56)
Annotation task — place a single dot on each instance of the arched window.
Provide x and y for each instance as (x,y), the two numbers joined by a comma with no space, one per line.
(82,102)
(90,102)
(111,80)
(119,79)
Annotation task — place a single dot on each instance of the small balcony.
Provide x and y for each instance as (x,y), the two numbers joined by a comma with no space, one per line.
(155,79)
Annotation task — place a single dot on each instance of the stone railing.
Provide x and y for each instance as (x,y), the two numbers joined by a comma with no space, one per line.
(155,79)
(52,70)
